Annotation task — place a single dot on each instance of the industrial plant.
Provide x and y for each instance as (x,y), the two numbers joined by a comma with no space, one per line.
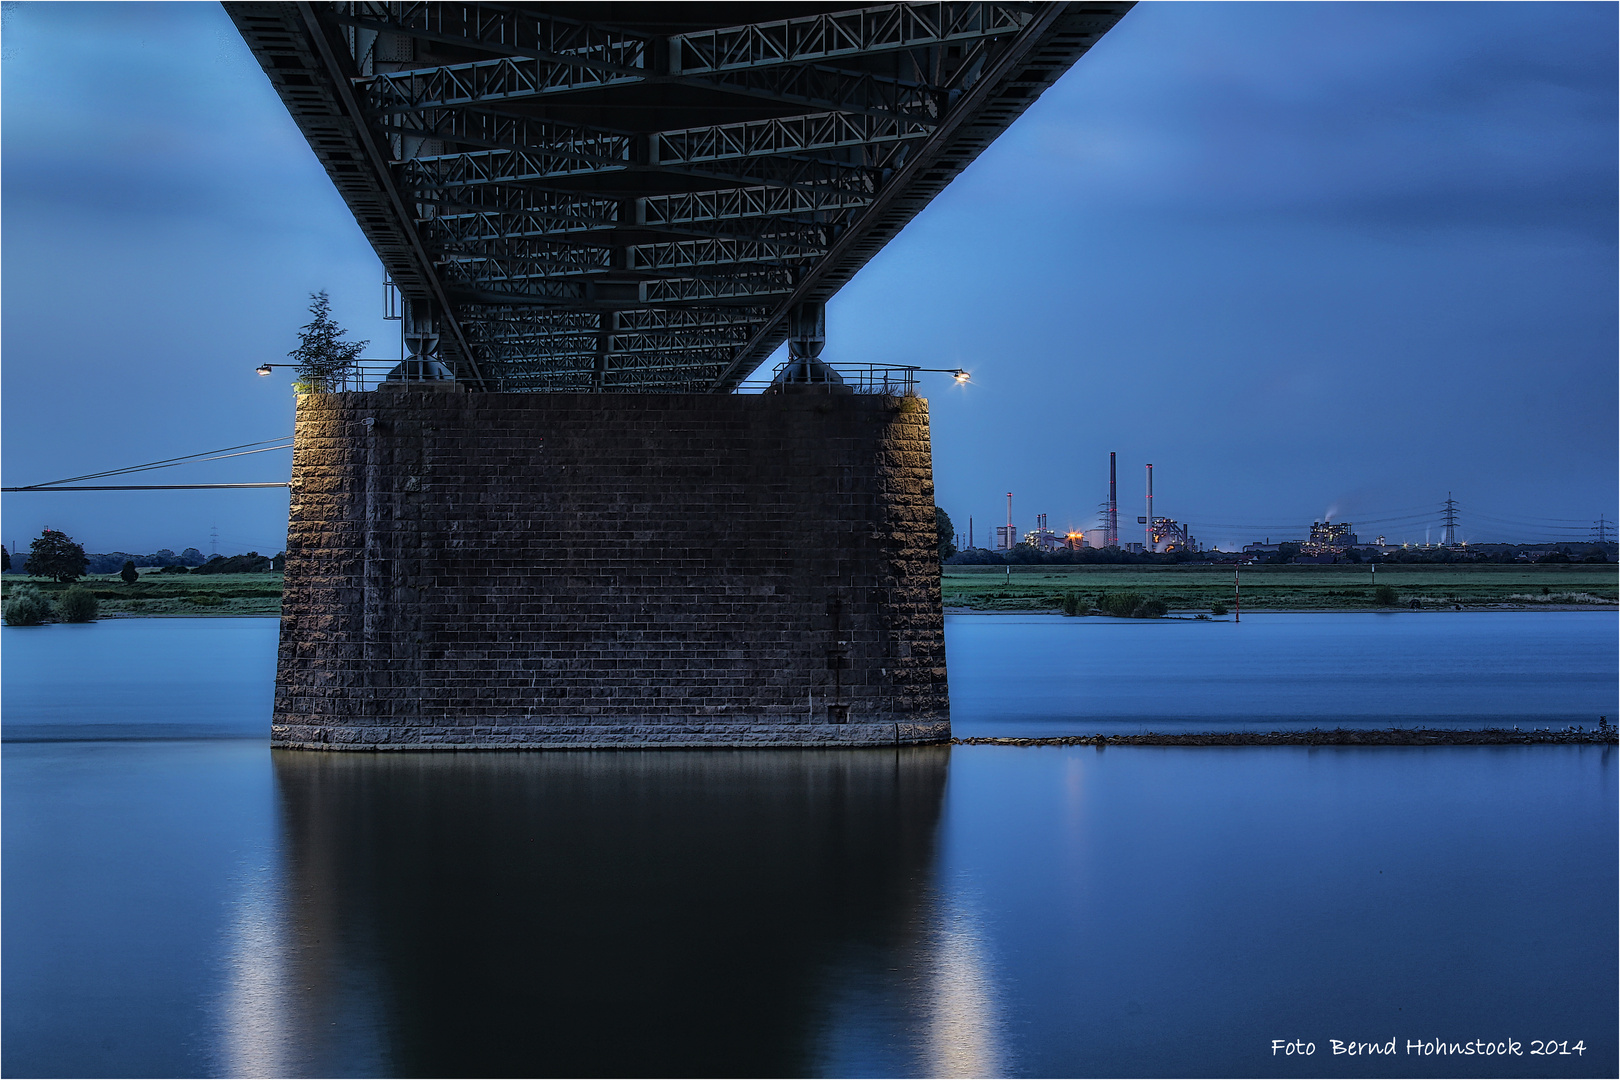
(1327,541)
(1160,535)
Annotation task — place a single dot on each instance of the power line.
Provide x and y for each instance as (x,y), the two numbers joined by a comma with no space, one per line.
(148,487)
(242,450)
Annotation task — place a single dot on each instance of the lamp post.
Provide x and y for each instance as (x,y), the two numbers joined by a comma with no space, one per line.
(957,373)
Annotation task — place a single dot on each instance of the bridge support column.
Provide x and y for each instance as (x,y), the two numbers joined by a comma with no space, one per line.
(579,570)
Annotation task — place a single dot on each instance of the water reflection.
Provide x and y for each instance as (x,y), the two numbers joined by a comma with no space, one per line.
(608,913)
(964,1014)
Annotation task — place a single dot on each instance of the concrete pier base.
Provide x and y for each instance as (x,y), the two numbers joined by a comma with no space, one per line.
(567,570)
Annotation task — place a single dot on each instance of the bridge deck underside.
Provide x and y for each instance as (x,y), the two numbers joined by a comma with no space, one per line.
(633,196)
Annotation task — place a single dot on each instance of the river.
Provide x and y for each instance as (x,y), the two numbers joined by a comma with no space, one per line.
(179,900)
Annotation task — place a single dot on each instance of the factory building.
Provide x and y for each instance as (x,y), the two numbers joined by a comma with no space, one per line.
(1043,539)
(1170,535)
(1329,538)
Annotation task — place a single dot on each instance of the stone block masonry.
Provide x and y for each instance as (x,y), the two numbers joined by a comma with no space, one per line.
(590,570)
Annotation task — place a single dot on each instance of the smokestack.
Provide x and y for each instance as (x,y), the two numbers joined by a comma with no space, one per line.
(1112,535)
(970,530)
(1150,545)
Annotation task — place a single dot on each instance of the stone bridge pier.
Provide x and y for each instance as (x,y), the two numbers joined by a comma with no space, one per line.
(486,570)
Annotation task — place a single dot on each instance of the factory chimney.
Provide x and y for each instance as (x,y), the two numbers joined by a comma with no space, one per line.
(1112,523)
(1149,545)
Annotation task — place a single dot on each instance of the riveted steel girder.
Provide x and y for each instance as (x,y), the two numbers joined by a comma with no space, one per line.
(633,196)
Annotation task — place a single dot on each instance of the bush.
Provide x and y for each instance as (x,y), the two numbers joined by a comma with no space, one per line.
(129,574)
(206,600)
(77,605)
(1384,596)
(1150,608)
(1217,608)
(26,606)
(1122,604)
(1071,603)
(251,563)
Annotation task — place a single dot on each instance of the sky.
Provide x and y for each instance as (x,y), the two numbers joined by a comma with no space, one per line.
(1307,259)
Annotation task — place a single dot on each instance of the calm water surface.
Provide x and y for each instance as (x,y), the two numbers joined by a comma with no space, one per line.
(1049,675)
(202,905)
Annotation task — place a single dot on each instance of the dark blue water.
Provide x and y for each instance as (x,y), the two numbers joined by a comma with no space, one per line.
(195,906)
(138,679)
(1050,675)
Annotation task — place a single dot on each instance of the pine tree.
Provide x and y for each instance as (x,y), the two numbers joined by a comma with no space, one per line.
(323,357)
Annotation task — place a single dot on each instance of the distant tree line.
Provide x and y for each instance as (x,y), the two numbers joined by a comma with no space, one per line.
(55,555)
(1026,554)
(113,561)
(251,563)
(1503,553)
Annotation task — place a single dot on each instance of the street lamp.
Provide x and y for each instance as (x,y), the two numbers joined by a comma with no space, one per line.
(264,369)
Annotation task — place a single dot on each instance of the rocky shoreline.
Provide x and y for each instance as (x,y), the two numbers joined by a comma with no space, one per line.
(1319,737)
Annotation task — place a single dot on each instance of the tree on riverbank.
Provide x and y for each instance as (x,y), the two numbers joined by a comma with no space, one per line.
(322,356)
(55,555)
(251,563)
(947,534)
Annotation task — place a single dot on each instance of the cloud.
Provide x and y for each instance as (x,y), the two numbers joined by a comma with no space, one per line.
(1442,116)
(132,111)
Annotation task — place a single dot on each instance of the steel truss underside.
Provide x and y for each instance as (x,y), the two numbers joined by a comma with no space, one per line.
(631,197)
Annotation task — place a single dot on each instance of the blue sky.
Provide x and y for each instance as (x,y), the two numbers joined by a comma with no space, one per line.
(1302,257)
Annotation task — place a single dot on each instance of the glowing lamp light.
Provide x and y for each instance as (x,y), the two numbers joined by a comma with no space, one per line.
(960,375)
(263,369)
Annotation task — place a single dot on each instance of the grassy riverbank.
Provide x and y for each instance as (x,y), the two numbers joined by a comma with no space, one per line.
(1188,587)
(171,594)
(1344,587)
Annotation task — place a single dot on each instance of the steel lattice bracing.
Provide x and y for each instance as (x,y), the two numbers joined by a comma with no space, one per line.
(633,196)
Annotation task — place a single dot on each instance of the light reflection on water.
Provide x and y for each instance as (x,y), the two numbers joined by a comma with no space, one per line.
(182,908)
(190,907)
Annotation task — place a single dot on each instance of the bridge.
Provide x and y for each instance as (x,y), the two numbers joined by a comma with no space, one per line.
(601,219)
(636,196)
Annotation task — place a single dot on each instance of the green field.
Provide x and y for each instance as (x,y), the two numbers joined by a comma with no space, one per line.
(1344,587)
(1186,588)
(172,594)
